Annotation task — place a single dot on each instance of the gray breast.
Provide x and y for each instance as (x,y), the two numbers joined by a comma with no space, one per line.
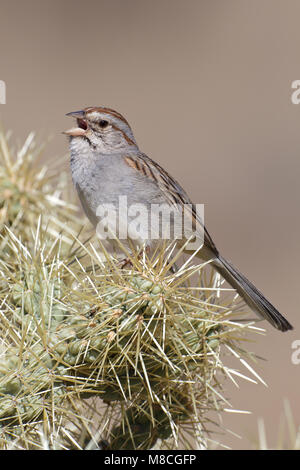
(103,179)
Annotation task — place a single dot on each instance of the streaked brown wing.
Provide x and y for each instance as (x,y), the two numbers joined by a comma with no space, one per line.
(171,189)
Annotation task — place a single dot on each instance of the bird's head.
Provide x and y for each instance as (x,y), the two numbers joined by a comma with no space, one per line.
(102,129)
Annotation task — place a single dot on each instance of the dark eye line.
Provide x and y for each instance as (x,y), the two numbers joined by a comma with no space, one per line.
(129,141)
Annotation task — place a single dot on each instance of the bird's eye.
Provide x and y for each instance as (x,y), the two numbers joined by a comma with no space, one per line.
(103,124)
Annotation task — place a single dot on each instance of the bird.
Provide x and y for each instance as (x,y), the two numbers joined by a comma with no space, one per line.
(106,163)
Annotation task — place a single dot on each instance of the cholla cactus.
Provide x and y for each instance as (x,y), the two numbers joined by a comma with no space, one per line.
(96,355)
(287,439)
(27,191)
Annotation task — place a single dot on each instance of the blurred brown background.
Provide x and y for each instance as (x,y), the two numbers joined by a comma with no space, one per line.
(206,85)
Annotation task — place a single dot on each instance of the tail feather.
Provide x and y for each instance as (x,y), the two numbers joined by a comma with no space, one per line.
(251,295)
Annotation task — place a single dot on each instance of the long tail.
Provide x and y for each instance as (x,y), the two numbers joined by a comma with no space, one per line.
(256,301)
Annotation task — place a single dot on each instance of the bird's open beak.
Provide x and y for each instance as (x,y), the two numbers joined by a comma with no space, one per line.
(82,126)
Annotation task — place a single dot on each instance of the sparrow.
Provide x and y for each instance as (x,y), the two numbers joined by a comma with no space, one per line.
(106,163)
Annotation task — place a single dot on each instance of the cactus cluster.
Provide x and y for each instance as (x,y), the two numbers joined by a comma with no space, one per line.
(29,190)
(90,352)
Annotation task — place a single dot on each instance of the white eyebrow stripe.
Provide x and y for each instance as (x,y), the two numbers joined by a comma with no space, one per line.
(116,119)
